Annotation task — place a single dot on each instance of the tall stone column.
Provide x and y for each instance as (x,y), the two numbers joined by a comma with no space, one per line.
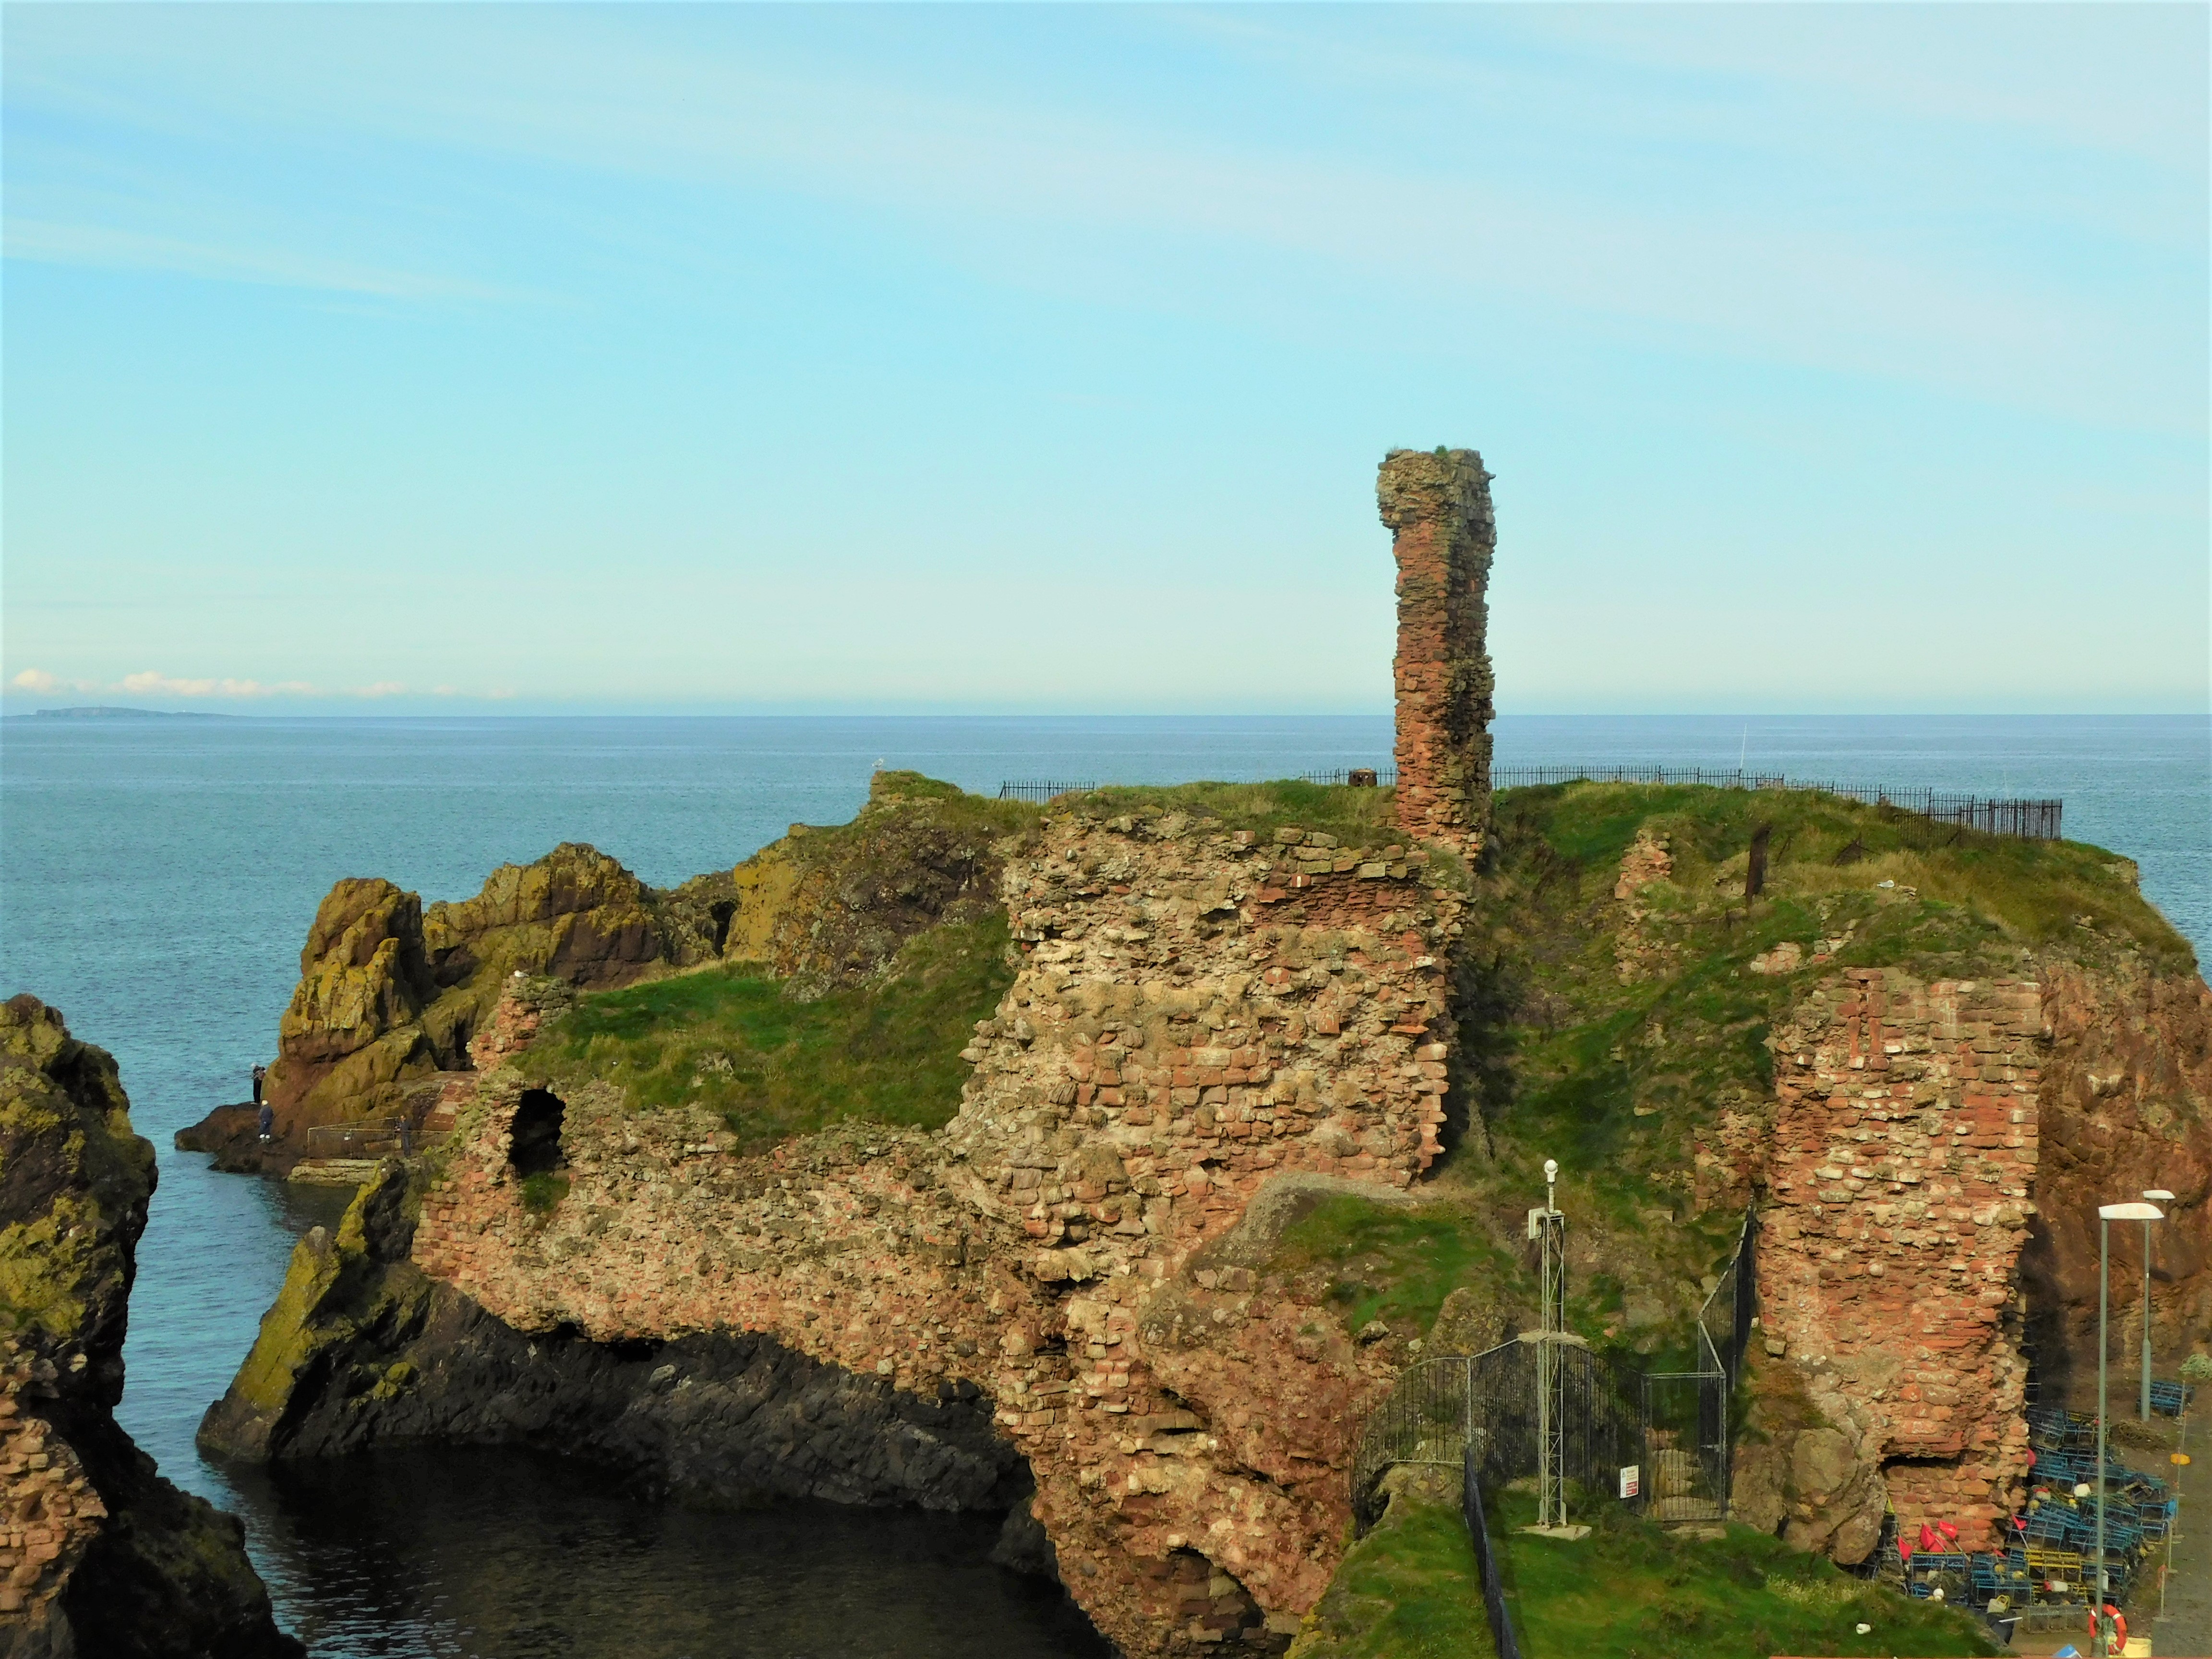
(1437,503)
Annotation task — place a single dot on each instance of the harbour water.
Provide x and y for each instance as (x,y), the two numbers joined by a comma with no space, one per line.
(156,880)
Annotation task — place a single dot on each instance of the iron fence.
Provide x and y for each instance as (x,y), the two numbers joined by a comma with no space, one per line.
(1485,1404)
(2031,820)
(1673,1425)
(1040,790)
(1379,777)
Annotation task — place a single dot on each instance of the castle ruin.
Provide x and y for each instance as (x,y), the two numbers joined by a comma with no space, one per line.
(1437,503)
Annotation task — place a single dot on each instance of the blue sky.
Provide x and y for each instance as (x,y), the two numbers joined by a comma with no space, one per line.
(402,358)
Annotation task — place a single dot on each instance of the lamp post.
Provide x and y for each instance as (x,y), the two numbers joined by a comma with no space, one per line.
(2157,1195)
(2100,1640)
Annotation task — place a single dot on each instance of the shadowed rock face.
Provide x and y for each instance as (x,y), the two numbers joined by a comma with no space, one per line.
(391,1357)
(113,1560)
(2126,1104)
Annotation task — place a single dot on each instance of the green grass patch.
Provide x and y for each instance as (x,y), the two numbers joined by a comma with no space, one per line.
(542,1193)
(772,1066)
(1387,1263)
(2040,892)
(1630,1590)
(1407,1590)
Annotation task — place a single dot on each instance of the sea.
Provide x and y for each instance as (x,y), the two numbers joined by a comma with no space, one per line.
(157,881)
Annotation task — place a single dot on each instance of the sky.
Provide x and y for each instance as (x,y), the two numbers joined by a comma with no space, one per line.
(935,358)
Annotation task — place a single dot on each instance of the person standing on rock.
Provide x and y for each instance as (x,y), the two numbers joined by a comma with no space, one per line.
(268,1123)
(260,1077)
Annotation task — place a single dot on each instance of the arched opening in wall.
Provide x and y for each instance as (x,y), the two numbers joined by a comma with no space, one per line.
(534,1142)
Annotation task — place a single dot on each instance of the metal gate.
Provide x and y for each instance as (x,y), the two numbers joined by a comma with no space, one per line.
(1685,1445)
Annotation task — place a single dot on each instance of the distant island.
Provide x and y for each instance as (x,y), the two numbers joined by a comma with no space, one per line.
(105,713)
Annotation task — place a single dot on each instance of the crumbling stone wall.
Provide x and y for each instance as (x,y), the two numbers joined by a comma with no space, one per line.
(1902,1167)
(1201,1014)
(1443,535)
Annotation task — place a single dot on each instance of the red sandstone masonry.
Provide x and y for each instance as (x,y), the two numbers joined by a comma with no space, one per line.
(1443,535)
(1904,1156)
(1197,1014)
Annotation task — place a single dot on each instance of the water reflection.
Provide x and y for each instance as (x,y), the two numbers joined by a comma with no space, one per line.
(503,1554)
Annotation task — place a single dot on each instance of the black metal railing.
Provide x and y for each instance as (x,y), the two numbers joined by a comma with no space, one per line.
(2031,820)
(1376,777)
(1486,1556)
(1040,790)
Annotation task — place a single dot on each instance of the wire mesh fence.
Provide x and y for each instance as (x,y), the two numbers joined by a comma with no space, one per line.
(1673,1426)
(2032,820)
(1446,1407)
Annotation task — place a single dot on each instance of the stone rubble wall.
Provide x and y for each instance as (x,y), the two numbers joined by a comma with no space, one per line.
(1199,1012)
(1443,535)
(1901,1174)
(49,1512)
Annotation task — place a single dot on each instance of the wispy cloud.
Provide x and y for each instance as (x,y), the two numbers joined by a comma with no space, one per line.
(40,682)
(1521,174)
(149,684)
(48,242)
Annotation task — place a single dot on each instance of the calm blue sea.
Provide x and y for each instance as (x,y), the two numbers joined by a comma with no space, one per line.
(157,877)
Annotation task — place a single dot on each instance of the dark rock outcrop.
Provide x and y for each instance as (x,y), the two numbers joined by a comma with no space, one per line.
(100,1555)
(364,1349)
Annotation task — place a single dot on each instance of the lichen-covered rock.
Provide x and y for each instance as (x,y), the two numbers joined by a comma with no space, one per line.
(825,906)
(389,996)
(99,1555)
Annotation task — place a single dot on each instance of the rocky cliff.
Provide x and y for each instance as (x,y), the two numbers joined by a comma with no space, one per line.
(1212,1025)
(1246,1115)
(100,1556)
(393,996)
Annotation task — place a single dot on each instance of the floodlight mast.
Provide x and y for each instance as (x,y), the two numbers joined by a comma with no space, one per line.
(1551,1375)
(2100,1624)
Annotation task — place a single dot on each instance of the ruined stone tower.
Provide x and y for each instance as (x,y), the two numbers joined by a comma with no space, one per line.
(1437,503)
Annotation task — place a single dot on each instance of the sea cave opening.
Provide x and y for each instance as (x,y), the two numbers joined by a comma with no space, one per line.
(534,1142)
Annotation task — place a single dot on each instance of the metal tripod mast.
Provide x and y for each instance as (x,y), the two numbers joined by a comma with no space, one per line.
(1550,1226)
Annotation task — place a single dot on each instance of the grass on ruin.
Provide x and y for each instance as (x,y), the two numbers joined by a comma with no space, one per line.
(771,1066)
(1387,1262)
(1619,1078)
(1407,1590)
(1358,817)
(1630,1590)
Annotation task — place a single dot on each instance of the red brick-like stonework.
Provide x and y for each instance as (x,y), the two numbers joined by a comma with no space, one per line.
(1201,1014)
(1437,506)
(1903,1164)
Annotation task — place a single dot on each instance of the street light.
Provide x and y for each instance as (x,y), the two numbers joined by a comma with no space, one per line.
(2101,1642)
(2157,1195)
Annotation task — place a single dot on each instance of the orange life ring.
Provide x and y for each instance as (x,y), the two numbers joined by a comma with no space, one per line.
(2119,1623)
